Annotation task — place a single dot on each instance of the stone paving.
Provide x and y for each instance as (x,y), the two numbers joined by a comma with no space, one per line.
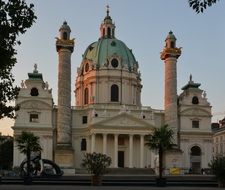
(71,187)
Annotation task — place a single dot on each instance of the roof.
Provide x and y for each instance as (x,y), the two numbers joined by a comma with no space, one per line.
(35,75)
(65,26)
(191,84)
(171,36)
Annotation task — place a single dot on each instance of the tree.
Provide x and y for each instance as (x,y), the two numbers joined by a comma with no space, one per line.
(27,142)
(161,140)
(217,165)
(15,18)
(201,5)
(6,152)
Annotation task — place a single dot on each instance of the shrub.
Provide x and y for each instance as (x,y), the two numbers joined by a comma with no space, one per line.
(96,163)
(217,165)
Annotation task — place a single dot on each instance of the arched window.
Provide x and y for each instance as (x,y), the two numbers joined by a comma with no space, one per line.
(195,151)
(34,92)
(86,67)
(114,93)
(103,31)
(64,35)
(86,96)
(108,32)
(195,100)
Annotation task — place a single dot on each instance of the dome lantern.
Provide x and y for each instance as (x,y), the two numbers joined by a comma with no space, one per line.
(107,27)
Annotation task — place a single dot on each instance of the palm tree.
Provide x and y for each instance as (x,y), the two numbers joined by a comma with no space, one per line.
(27,142)
(161,140)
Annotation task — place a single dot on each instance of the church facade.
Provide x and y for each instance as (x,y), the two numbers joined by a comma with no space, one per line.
(108,116)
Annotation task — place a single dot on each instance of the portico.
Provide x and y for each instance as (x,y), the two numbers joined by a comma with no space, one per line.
(120,147)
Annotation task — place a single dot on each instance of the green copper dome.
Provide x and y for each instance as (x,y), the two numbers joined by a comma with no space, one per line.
(104,49)
(109,49)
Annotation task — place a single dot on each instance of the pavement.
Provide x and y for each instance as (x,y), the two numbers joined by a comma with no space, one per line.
(72,187)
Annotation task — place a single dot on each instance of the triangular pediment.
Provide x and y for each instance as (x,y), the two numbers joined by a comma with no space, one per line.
(124,120)
(35,104)
(195,112)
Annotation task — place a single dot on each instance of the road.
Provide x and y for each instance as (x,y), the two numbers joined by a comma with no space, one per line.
(72,187)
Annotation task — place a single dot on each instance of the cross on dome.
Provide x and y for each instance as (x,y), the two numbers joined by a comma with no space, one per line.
(107,10)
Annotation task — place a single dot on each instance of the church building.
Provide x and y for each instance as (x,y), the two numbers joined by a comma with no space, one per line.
(108,116)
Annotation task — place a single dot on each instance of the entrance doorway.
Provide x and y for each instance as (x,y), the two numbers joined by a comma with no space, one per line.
(195,160)
(121,159)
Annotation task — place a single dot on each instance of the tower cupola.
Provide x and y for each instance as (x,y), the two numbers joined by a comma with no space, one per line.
(171,40)
(170,48)
(107,27)
(64,31)
(64,41)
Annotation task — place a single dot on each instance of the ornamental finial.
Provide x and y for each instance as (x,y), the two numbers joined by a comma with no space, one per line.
(190,80)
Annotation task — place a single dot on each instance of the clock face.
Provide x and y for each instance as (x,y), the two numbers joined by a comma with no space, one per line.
(114,63)
(86,67)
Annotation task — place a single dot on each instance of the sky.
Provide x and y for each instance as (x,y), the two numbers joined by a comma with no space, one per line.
(143,26)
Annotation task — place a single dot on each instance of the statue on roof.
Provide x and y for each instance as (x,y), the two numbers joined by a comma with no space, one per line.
(35,68)
(46,85)
(204,94)
(22,84)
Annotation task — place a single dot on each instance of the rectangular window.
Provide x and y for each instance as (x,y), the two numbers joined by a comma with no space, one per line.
(84,119)
(33,118)
(121,141)
(195,124)
(83,145)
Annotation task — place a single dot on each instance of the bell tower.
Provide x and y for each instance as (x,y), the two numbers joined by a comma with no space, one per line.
(64,46)
(170,54)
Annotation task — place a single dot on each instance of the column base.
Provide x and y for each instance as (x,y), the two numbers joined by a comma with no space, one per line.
(64,156)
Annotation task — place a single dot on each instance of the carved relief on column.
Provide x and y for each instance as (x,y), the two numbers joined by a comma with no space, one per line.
(64,98)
